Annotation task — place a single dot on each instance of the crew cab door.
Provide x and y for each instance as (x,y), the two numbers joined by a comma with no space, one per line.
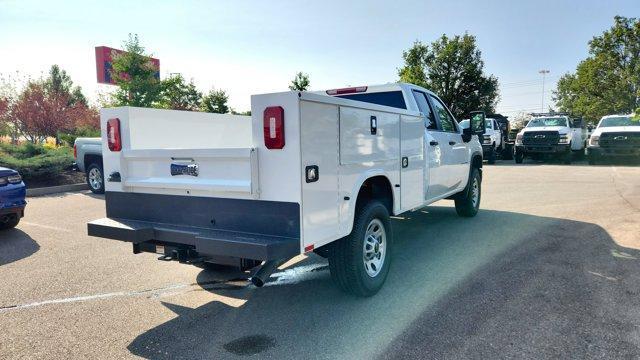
(455,152)
(434,175)
(412,168)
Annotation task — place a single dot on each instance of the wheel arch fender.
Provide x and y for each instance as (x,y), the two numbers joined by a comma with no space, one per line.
(383,188)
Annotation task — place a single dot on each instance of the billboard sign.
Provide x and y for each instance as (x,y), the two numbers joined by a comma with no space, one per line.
(104,56)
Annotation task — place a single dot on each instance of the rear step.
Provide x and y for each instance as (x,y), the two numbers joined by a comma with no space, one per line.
(204,242)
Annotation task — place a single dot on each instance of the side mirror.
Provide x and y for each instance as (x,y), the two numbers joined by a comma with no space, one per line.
(476,125)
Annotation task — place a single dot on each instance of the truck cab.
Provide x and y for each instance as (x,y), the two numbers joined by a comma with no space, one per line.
(551,134)
(307,172)
(616,136)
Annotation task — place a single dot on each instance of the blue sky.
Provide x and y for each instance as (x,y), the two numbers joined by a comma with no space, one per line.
(249,47)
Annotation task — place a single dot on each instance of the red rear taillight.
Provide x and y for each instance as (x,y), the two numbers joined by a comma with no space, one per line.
(349,90)
(113,135)
(75,151)
(273,126)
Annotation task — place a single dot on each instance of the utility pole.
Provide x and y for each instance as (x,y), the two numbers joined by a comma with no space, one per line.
(544,73)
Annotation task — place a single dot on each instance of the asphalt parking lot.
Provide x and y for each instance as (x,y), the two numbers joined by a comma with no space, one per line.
(550,268)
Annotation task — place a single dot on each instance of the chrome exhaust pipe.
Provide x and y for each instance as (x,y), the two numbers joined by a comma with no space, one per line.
(265,271)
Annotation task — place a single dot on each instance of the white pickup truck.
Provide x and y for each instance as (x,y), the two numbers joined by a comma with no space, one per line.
(306,172)
(551,134)
(492,140)
(615,136)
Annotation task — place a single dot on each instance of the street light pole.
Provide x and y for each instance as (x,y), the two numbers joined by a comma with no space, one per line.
(544,73)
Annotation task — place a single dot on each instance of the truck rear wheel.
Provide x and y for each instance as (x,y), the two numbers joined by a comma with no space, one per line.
(95,178)
(468,203)
(360,262)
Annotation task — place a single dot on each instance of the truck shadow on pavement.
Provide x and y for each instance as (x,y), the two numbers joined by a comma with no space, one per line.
(15,245)
(498,285)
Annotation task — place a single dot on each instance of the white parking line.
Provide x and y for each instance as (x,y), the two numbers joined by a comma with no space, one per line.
(152,292)
(45,227)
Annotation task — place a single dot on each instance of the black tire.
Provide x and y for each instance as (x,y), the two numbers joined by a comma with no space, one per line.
(567,157)
(519,157)
(97,187)
(507,153)
(594,159)
(10,224)
(347,257)
(468,203)
(491,159)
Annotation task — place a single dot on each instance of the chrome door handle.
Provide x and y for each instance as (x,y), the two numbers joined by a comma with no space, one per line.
(433,143)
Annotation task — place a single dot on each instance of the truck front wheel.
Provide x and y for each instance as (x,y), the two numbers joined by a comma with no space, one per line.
(519,156)
(491,159)
(468,203)
(359,263)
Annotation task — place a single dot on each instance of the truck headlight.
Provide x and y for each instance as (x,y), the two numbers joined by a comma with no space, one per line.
(594,140)
(564,139)
(486,139)
(519,139)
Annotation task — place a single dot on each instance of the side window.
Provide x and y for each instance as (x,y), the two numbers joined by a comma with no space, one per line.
(446,120)
(423,106)
(495,125)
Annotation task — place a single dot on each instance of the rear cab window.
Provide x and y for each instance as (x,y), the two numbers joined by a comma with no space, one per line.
(387,98)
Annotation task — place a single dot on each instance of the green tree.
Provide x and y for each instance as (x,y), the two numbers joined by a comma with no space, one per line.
(215,102)
(177,94)
(608,81)
(415,65)
(60,82)
(453,69)
(300,82)
(135,75)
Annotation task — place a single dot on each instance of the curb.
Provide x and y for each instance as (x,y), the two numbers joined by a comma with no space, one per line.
(56,189)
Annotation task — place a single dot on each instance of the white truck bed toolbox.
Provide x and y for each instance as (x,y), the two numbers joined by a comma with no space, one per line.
(252,229)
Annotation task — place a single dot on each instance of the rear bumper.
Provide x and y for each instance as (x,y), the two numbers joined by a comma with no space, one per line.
(203,226)
(12,199)
(543,149)
(613,152)
(205,243)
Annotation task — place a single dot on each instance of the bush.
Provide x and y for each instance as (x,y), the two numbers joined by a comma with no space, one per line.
(35,161)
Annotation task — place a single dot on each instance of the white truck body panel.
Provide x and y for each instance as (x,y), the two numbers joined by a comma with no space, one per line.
(151,138)
(332,133)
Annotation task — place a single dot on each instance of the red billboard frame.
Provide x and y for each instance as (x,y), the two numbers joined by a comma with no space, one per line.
(104,55)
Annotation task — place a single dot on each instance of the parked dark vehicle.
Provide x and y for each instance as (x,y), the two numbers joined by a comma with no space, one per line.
(508,142)
(12,198)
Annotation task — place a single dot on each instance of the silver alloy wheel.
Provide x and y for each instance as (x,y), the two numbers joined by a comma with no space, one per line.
(375,244)
(95,179)
(475,192)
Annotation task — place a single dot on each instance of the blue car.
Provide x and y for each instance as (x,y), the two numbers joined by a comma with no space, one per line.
(12,194)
